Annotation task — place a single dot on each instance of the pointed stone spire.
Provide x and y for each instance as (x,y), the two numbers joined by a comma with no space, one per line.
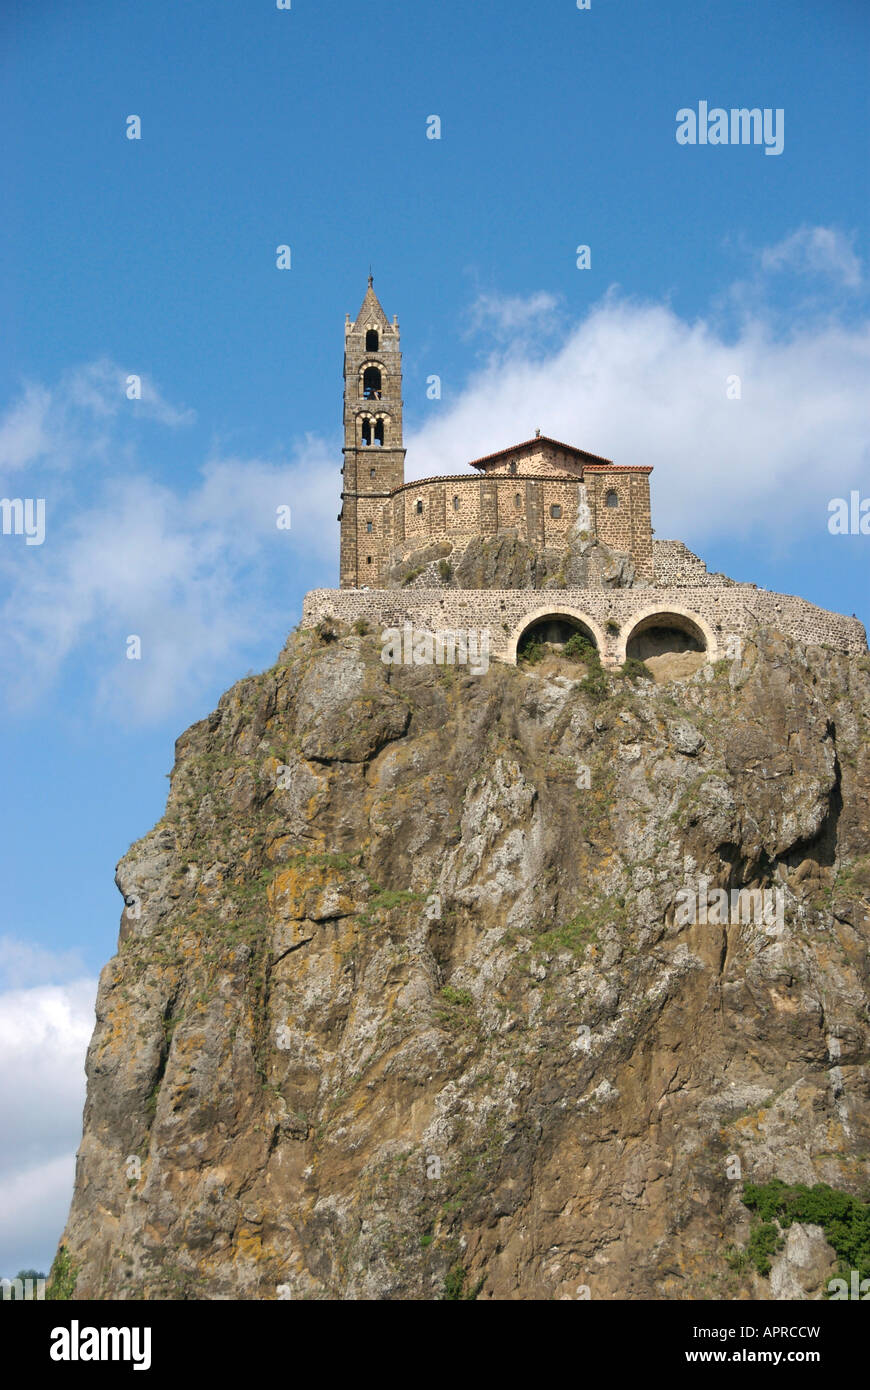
(371,312)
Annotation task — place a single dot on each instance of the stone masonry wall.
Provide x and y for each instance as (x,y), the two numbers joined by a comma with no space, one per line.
(719,613)
(675,564)
(539,459)
(627,526)
(539,509)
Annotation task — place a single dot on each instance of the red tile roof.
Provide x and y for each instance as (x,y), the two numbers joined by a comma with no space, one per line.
(539,439)
(618,468)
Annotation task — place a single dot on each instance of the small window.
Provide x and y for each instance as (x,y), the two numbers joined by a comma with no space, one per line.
(518,503)
(369,527)
(419,506)
(366,432)
(379,431)
(611,499)
(456,504)
(512,468)
(372,472)
(372,340)
(555,511)
(368,559)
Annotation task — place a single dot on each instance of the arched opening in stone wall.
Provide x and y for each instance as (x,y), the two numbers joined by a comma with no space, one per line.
(371,340)
(664,632)
(371,383)
(556,635)
(672,645)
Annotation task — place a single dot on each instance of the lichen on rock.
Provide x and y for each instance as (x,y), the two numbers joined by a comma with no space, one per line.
(402,1008)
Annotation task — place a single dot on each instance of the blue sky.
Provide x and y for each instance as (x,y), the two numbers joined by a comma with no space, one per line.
(307,127)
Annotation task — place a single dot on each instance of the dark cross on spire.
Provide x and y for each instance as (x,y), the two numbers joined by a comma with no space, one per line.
(371,278)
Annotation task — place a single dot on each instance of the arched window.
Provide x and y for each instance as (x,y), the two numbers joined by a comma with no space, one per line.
(367,431)
(456,504)
(419,508)
(611,499)
(379,431)
(518,503)
(373,472)
(372,340)
(371,383)
(555,511)
(369,527)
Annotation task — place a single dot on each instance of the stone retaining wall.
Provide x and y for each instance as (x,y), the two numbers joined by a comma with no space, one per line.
(715,612)
(674,564)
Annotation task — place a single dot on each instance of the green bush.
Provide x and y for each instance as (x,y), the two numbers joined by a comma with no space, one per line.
(764,1241)
(460,997)
(579,648)
(454,1286)
(736,1258)
(574,935)
(844,1219)
(635,670)
(594,684)
(62,1277)
(532,651)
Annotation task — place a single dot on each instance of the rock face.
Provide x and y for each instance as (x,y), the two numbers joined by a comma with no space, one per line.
(403,1008)
(803,1267)
(507,562)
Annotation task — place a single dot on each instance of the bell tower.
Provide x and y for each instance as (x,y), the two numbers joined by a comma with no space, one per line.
(374,459)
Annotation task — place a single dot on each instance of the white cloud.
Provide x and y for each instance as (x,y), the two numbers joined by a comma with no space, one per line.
(184,573)
(44,1033)
(638,384)
(23,433)
(186,568)
(34,1205)
(72,422)
(101,388)
(503,313)
(818,251)
(239,498)
(192,567)
(22,963)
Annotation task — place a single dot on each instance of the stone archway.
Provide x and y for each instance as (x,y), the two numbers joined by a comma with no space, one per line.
(551,618)
(667,628)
